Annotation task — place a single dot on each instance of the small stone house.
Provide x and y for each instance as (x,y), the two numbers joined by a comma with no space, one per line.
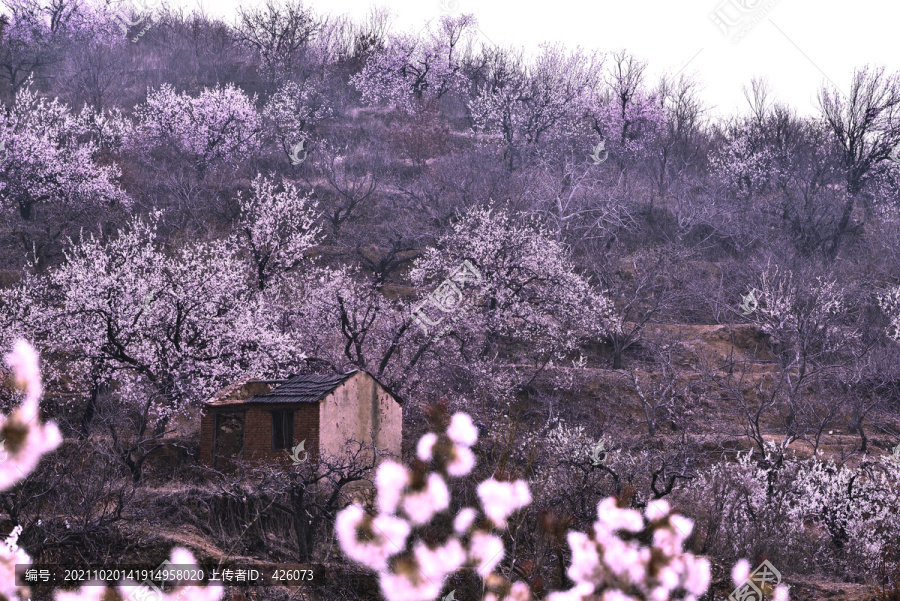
(266,419)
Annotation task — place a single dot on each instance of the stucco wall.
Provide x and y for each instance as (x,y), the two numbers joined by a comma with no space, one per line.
(362,410)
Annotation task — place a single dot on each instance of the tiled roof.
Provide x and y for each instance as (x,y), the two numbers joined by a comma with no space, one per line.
(302,389)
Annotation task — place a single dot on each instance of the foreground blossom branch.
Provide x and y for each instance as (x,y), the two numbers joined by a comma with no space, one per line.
(410,570)
(23,437)
(609,563)
(26,440)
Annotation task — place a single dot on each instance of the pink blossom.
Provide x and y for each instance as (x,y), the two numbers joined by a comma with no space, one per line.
(10,555)
(426,445)
(464,520)
(604,562)
(390,535)
(462,430)
(623,558)
(501,499)
(698,574)
(576,593)
(24,362)
(38,438)
(486,551)
(667,540)
(740,572)
(682,526)
(781,593)
(420,506)
(220,124)
(401,587)
(462,463)
(390,480)
(610,517)
(617,595)
(657,510)
(437,563)
(585,566)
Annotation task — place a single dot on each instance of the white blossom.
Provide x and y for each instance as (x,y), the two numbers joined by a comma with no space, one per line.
(462,430)
(501,499)
(426,445)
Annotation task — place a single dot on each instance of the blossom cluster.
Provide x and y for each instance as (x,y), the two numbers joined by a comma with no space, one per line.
(24,441)
(293,109)
(49,157)
(10,555)
(24,438)
(278,225)
(409,69)
(852,504)
(169,326)
(789,308)
(413,570)
(525,103)
(608,562)
(531,289)
(612,559)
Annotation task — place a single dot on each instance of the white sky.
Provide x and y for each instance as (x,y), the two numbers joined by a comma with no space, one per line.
(795,44)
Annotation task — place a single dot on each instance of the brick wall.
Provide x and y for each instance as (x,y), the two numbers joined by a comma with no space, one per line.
(258,429)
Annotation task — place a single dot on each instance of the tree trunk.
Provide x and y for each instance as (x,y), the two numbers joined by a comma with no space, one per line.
(301,526)
(88,414)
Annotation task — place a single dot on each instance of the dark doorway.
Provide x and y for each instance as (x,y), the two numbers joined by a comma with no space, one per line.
(229,440)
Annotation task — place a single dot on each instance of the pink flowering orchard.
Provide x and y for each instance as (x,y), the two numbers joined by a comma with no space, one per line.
(457,302)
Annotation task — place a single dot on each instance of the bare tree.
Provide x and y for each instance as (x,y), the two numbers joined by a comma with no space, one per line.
(866,127)
(278,31)
(659,391)
(641,292)
(310,493)
(680,152)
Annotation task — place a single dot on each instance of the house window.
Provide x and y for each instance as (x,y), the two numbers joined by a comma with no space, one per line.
(282,429)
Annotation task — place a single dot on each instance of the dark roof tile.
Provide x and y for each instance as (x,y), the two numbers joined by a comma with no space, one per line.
(302,389)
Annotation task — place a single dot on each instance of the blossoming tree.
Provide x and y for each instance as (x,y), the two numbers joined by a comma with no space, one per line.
(47,163)
(292,111)
(168,329)
(524,103)
(408,70)
(276,227)
(219,125)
